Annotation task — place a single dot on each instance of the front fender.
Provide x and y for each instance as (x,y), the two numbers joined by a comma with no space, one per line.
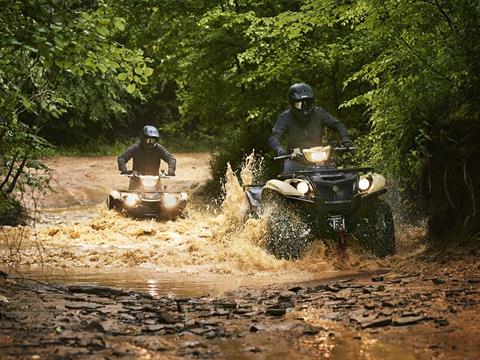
(281,187)
(379,185)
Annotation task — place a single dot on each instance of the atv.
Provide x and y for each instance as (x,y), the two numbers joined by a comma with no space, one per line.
(324,200)
(148,200)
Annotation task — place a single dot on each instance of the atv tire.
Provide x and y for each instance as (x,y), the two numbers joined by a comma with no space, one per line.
(110,202)
(288,232)
(376,230)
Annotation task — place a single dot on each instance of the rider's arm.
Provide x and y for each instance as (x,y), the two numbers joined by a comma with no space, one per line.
(335,124)
(168,158)
(125,157)
(277,134)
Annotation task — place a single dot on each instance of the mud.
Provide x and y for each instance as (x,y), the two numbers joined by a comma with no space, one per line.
(204,286)
(394,315)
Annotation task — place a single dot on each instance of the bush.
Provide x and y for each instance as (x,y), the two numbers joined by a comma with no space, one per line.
(12,211)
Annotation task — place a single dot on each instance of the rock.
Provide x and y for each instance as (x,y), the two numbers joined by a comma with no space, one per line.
(441,321)
(377,278)
(97,290)
(153,328)
(253,328)
(407,320)
(391,303)
(295,289)
(379,322)
(438,281)
(164,317)
(275,311)
(254,349)
(311,330)
(83,305)
(3,275)
(370,306)
(286,295)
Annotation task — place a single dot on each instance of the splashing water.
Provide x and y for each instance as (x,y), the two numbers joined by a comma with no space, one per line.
(230,242)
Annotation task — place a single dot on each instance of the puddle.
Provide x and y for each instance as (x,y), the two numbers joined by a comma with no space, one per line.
(162,283)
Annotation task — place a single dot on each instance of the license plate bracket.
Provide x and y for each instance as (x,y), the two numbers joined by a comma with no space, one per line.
(336,222)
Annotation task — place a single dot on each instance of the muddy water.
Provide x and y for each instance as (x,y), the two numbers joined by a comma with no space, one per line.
(209,252)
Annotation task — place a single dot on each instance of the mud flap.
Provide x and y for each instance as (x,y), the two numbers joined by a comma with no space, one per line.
(254,196)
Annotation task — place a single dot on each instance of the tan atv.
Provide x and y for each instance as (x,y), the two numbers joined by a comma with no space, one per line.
(149,200)
(323,199)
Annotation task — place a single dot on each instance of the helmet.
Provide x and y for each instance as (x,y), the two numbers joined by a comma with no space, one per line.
(149,136)
(301,99)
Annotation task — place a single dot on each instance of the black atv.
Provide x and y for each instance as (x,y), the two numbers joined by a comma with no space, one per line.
(324,200)
(148,200)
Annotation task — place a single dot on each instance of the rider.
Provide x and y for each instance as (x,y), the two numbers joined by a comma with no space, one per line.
(303,124)
(146,154)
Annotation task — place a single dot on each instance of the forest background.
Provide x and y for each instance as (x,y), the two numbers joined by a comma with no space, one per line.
(402,75)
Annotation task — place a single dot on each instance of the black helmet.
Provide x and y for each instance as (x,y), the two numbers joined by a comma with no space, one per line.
(149,136)
(301,99)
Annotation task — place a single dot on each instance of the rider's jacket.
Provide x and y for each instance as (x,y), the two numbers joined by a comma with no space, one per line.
(304,134)
(146,161)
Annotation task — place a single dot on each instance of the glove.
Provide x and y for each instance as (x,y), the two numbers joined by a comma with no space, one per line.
(125,172)
(171,172)
(347,143)
(282,152)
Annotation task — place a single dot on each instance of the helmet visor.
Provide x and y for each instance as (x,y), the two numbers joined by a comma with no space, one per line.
(306,105)
(150,140)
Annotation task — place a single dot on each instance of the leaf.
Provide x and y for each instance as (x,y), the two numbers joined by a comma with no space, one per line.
(119,23)
(131,88)
(102,68)
(148,72)
(122,76)
(102,30)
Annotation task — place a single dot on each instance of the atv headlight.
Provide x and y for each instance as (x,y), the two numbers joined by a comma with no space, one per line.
(170,200)
(149,181)
(364,183)
(302,187)
(131,200)
(318,155)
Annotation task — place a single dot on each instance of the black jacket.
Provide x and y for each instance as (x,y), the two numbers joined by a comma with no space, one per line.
(304,134)
(146,162)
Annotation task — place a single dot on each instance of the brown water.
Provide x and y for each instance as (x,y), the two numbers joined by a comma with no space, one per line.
(213,250)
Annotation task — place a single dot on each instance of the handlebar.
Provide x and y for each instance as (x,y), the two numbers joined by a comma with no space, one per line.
(136,174)
(298,152)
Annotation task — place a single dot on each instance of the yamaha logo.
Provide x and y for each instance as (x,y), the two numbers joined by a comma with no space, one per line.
(335,188)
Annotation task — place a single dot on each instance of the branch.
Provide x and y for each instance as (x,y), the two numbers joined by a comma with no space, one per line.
(468,183)
(9,173)
(17,175)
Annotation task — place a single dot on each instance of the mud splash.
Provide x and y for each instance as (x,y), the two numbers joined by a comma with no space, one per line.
(225,242)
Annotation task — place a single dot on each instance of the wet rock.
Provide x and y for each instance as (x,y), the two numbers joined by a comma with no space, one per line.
(441,321)
(253,328)
(83,305)
(408,320)
(311,330)
(378,322)
(275,311)
(332,288)
(286,295)
(153,328)
(226,305)
(3,275)
(97,290)
(378,278)
(391,303)
(474,281)
(295,289)
(254,349)
(438,281)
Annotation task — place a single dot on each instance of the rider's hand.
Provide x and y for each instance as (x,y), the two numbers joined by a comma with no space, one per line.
(347,144)
(125,172)
(171,173)
(282,152)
